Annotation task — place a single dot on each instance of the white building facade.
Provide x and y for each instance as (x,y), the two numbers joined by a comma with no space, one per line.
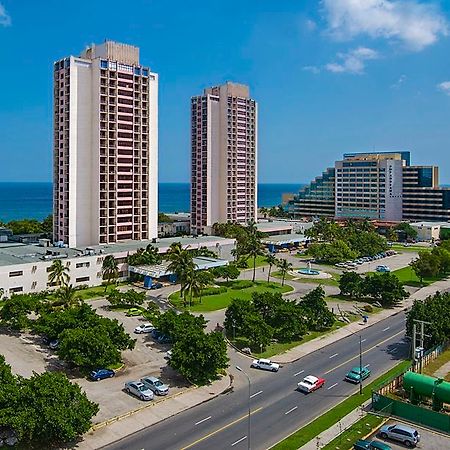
(105,147)
(223,157)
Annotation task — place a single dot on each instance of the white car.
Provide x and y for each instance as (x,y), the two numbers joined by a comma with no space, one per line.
(265,364)
(144,328)
(310,383)
(139,389)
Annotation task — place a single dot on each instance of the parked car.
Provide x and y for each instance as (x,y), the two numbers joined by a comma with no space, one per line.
(164,339)
(134,312)
(310,384)
(54,344)
(383,269)
(139,389)
(144,328)
(156,385)
(156,286)
(156,334)
(168,354)
(357,374)
(401,433)
(101,374)
(370,445)
(265,364)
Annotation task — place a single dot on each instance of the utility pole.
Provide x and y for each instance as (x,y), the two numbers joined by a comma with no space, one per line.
(360,367)
(421,340)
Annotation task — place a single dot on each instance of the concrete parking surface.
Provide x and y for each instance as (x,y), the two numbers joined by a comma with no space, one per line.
(429,439)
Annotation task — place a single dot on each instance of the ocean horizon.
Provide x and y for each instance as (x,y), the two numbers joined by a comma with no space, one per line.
(33,200)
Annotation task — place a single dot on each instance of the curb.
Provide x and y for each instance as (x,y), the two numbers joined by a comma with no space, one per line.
(107,422)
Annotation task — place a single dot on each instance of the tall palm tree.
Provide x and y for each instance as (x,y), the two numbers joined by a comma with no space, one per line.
(253,245)
(285,266)
(58,273)
(272,261)
(110,270)
(181,264)
(204,278)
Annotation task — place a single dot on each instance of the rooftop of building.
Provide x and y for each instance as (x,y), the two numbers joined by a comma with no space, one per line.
(425,224)
(281,239)
(16,253)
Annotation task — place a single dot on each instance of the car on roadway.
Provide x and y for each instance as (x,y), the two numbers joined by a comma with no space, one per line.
(265,364)
(401,433)
(310,384)
(370,445)
(144,328)
(134,312)
(139,389)
(156,385)
(156,286)
(383,269)
(101,374)
(357,374)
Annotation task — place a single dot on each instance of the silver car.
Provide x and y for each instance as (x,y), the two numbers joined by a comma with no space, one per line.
(156,385)
(402,433)
(139,389)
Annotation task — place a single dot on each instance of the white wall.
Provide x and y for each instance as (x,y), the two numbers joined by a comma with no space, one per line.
(153,157)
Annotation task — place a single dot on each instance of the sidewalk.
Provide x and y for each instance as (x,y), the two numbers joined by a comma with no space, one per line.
(347,330)
(151,413)
(334,431)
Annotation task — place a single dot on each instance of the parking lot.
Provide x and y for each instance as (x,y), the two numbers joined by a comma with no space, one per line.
(429,440)
(26,353)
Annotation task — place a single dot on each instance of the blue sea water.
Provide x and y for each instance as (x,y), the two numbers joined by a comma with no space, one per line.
(34,200)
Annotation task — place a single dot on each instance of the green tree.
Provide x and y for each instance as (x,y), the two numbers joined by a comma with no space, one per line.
(87,349)
(110,270)
(15,311)
(318,316)
(25,226)
(176,325)
(204,279)
(200,356)
(66,297)
(324,230)
(284,266)
(253,246)
(152,312)
(236,316)
(164,218)
(436,310)
(406,230)
(289,322)
(258,332)
(133,298)
(425,265)
(115,297)
(443,256)
(148,256)
(385,288)
(228,272)
(351,284)
(47,224)
(46,409)
(272,261)
(181,263)
(332,253)
(58,273)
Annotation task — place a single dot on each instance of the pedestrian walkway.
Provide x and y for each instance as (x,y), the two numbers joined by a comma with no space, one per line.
(335,430)
(151,413)
(443,371)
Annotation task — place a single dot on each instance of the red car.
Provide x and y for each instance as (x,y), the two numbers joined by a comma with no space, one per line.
(310,384)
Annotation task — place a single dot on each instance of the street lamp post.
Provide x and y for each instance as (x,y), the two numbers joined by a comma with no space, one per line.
(360,366)
(249,409)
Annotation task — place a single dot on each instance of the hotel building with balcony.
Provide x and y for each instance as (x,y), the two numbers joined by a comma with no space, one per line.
(223,157)
(105,147)
(379,186)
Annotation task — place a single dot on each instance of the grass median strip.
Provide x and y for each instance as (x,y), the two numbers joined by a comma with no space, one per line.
(328,419)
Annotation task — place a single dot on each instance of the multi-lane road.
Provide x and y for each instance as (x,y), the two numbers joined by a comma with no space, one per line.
(277,408)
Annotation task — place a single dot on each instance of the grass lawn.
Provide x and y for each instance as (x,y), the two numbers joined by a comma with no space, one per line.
(280,347)
(357,431)
(443,358)
(326,420)
(408,277)
(220,301)
(409,248)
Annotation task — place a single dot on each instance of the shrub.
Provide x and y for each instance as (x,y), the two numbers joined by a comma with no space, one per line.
(241,284)
(368,308)
(214,291)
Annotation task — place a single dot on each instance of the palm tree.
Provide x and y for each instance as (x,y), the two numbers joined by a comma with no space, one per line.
(285,266)
(181,264)
(192,285)
(253,245)
(204,278)
(110,270)
(66,296)
(58,273)
(2,291)
(272,261)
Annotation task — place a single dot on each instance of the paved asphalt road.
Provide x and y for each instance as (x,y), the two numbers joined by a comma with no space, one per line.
(277,408)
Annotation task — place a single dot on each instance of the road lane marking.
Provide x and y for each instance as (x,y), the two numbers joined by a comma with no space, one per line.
(255,394)
(364,352)
(363,340)
(298,373)
(332,386)
(332,356)
(385,329)
(292,409)
(240,440)
(203,420)
(228,425)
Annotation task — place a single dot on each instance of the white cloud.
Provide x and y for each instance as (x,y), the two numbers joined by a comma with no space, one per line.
(310,25)
(415,24)
(444,87)
(5,18)
(313,69)
(399,82)
(353,61)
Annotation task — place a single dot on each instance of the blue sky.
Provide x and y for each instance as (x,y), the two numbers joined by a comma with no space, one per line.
(330,76)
